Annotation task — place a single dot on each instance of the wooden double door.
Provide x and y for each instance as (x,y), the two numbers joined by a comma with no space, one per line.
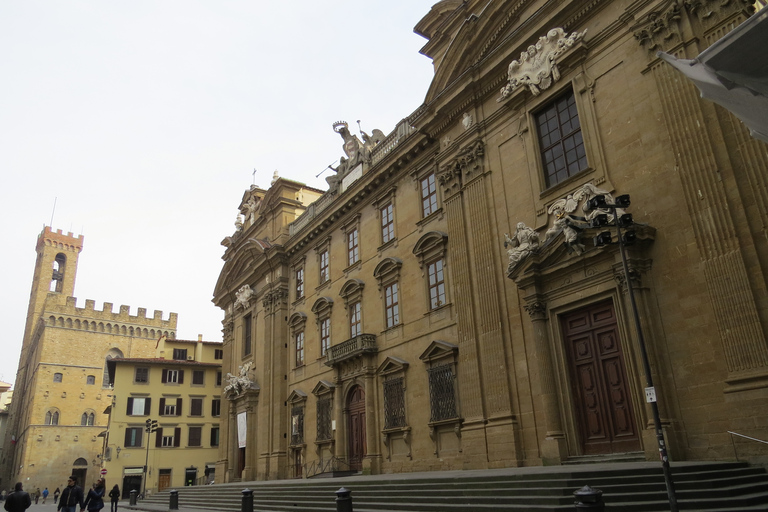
(603,401)
(356,448)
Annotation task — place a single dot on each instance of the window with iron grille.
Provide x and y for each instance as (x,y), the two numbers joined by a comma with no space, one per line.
(297,425)
(325,335)
(560,140)
(324,408)
(436,284)
(180,354)
(353,247)
(442,397)
(394,403)
(355,320)
(428,196)
(387,223)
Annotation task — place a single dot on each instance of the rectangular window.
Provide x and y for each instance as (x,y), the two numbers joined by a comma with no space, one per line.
(387,224)
(180,354)
(214,436)
(218,353)
(299,283)
(355,320)
(168,437)
(196,407)
(247,335)
(428,196)
(324,409)
(168,406)
(218,378)
(436,284)
(142,375)
(133,437)
(394,403)
(297,425)
(325,274)
(195,436)
(442,397)
(216,407)
(560,140)
(300,348)
(172,376)
(325,336)
(392,305)
(353,246)
(138,406)
(168,441)
(198,377)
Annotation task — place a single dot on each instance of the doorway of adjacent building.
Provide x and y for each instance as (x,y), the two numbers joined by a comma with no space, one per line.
(598,375)
(80,471)
(131,482)
(163,479)
(356,428)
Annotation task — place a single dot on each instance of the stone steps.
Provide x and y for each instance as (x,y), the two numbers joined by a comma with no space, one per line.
(630,487)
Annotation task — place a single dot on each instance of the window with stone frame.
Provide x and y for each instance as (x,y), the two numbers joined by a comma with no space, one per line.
(180,354)
(195,436)
(87,419)
(428,187)
(352,293)
(141,376)
(198,377)
(560,139)
(322,310)
(441,359)
(52,417)
(133,437)
(299,282)
(387,214)
(138,406)
(392,371)
(297,401)
(247,334)
(352,236)
(387,273)
(430,251)
(195,406)
(323,251)
(324,407)
(297,324)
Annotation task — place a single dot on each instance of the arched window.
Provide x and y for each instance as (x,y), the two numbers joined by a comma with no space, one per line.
(113,353)
(90,379)
(87,419)
(57,277)
(52,417)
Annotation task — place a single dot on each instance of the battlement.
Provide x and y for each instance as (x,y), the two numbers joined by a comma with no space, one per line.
(63,312)
(58,239)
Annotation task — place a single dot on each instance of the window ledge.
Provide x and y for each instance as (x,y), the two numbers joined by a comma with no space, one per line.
(387,245)
(438,308)
(429,218)
(355,266)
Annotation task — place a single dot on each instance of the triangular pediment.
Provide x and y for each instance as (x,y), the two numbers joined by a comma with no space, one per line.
(439,349)
(323,387)
(296,396)
(392,365)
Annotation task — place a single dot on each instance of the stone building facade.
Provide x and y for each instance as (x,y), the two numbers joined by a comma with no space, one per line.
(443,305)
(62,388)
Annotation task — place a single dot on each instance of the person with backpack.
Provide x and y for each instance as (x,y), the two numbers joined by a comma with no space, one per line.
(19,500)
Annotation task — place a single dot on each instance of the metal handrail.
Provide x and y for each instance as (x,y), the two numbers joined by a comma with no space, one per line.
(323,466)
(745,437)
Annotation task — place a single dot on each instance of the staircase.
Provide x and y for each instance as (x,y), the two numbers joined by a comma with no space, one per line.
(627,487)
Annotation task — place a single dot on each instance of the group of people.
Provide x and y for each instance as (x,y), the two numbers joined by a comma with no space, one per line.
(71,497)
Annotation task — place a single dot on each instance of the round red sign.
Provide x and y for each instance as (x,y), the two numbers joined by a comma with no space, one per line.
(104,471)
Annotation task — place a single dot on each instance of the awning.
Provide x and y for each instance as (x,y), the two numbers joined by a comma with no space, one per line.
(733,73)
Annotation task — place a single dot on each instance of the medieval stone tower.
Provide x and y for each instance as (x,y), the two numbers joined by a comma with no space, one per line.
(61,391)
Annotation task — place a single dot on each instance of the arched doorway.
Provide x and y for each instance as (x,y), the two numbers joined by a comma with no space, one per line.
(601,391)
(80,470)
(356,428)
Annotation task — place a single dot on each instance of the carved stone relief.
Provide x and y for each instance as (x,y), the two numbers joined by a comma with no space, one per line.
(243,297)
(660,29)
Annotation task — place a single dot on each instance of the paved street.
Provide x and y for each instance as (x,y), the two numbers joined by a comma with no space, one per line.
(50,507)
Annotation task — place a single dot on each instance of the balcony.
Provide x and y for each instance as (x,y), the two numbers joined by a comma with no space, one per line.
(353,347)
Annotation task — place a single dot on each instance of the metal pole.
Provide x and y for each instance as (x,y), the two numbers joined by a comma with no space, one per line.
(146,461)
(344,500)
(247,501)
(173,503)
(648,377)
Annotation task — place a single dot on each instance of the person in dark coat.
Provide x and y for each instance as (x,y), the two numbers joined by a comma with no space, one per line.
(95,499)
(56,495)
(71,497)
(114,495)
(19,500)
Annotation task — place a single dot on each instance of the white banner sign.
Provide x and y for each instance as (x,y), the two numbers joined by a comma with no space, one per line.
(242,429)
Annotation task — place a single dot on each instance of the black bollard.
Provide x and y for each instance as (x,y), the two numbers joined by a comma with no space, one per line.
(174,500)
(134,493)
(588,498)
(343,500)
(247,505)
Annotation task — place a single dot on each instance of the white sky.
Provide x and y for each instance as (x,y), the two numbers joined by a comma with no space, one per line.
(144,120)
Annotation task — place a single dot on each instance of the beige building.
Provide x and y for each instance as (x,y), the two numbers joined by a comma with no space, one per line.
(443,305)
(62,385)
(180,390)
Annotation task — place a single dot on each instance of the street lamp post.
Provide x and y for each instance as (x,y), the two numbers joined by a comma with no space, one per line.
(151,427)
(627,238)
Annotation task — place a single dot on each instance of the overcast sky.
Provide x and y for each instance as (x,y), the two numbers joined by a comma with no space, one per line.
(144,120)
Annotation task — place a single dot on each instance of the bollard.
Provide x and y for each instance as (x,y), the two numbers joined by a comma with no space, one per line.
(247,505)
(174,500)
(343,500)
(588,498)
(134,493)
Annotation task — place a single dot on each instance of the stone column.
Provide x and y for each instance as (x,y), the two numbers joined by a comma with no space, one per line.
(553,449)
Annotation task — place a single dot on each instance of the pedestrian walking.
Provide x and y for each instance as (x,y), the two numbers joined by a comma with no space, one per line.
(56,495)
(45,495)
(37,495)
(114,496)
(95,499)
(71,496)
(18,500)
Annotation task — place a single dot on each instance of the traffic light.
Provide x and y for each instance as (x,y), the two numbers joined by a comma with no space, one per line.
(151,426)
